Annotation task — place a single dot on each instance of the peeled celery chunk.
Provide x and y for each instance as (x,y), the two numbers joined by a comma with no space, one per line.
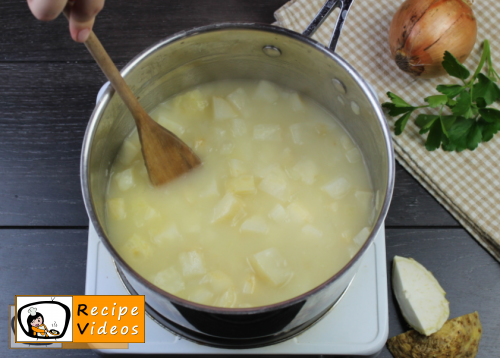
(420,297)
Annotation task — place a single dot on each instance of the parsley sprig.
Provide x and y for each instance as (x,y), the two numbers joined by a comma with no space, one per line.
(469,121)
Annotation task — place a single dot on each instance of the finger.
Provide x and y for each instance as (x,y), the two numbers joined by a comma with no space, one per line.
(82,17)
(46,10)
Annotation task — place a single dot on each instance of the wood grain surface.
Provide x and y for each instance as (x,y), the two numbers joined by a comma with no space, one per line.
(48,86)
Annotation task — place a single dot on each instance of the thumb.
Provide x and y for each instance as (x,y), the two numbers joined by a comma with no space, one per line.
(82,17)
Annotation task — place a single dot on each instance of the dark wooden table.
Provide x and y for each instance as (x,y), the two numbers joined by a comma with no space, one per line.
(48,86)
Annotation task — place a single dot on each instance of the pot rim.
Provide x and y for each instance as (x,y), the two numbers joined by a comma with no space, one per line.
(179,36)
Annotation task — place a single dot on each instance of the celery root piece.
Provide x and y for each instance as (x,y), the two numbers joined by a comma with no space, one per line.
(458,338)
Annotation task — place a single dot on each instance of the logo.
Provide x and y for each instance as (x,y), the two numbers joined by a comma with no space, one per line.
(45,320)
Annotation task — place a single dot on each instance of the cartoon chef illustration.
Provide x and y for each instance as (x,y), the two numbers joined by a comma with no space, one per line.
(35,324)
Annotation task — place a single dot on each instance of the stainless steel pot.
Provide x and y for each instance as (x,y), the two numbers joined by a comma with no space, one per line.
(249,51)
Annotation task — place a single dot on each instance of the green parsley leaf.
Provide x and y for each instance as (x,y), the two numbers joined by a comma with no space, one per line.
(488,129)
(490,114)
(460,143)
(443,127)
(448,121)
(398,101)
(437,100)
(485,89)
(448,146)
(400,124)
(459,128)
(425,121)
(395,110)
(463,104)
(481,103)
(454,67)
(474,136)
(450,90)
(433,141)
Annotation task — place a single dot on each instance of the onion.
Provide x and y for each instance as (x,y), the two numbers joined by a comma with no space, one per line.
(422,30)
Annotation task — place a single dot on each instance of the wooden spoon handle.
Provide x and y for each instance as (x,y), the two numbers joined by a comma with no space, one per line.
(113,75)
(108,67)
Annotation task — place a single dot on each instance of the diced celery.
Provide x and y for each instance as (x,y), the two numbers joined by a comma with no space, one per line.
(275,184)
(125,179)
(236,167)
(211,191)
(172,126)
(145,214)
(268,132)
(238,216)
(227,299)
(312,231)
(337,188)
(239,127)
(238,98)
(116,209)
(138,247)
(298,214)
(226,208)
(128,152)
(169,280)
(217,280)
(138,220)
(295,102)
(133,138)
(169,234)
(226,148)
(256,225)
(266,91)
(201,147)
(285,94)
(140,170)
(306,170)
(202,296)
(220,133)
(278,214)
(222,109)
(241,185)
(271,266)
(151,213)
(262,170)
(324,127)
(192,263)
(303,133)
(191,102)
(249,285)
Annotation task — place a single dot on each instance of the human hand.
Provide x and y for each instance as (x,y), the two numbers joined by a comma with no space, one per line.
(81,14)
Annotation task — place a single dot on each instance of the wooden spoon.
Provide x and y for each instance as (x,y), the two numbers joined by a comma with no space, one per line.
(165,155)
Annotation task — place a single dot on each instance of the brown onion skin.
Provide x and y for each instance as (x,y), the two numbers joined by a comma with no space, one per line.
(422,30)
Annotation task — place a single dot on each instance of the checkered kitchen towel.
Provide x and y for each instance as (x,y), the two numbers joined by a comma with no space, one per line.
(467,183)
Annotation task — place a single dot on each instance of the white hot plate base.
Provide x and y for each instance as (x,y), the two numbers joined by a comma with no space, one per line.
(357,325)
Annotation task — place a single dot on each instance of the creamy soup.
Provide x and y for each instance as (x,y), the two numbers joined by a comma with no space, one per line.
(281,203)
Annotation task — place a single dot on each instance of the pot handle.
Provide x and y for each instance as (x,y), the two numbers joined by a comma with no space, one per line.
(329,6)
